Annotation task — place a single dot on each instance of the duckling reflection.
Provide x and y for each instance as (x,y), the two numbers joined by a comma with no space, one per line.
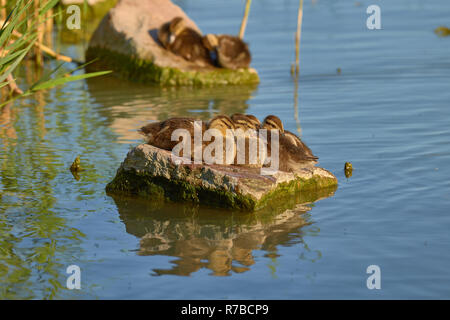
(204,238)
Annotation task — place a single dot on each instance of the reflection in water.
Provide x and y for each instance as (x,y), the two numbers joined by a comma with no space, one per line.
(128,106)
(32,232)
(218,240)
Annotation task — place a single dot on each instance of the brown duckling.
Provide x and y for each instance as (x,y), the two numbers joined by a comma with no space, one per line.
(159,134)
(291,156)
(176,37)
(231,52)
(226,127)
(248,144)
(273,122)
(246,122)
(222,123)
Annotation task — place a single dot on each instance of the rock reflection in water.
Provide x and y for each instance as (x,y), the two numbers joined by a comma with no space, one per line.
(219,240)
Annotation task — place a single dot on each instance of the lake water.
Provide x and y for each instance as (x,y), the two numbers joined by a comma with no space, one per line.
(387,112)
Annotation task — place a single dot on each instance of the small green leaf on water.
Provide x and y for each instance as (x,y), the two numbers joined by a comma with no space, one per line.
(348,169)
(442,31)
(76,167)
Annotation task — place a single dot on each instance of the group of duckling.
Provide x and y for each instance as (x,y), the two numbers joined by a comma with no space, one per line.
(293,152)
(223,51)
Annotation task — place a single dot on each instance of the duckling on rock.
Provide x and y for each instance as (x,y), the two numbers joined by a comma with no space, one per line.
(226,127)
(231,52)
(159,134)
(250,152)
(248,123)
(291,156)
(273,122)
(181,40)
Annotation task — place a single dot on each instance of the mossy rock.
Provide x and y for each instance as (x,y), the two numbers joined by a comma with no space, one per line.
(150,172)
(126,42)
(146,71)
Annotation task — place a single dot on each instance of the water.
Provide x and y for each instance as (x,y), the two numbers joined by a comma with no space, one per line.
(387,113)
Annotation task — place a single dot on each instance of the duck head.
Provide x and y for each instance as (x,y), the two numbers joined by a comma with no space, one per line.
(177,25)
(211,42)
(245,121)
(222,123)
(272,123)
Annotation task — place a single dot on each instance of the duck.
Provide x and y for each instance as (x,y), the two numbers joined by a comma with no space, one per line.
(230,51)
(273,122)
(159,134)
(183,41)
(225,125)
(246,135)
(248,123)
(293,153)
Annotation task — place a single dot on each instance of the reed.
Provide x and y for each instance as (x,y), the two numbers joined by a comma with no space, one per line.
(40,33)
(15,46)
(2,9)
(245,19)
(297,39)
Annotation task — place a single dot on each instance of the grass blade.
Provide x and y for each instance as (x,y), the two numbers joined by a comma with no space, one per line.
(15,64)
(59,81)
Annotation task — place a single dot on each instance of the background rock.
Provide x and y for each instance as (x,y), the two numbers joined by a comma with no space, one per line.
(126,41)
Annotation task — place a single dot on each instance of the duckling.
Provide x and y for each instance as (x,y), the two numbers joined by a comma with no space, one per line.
(231,52)
(159,134)
(181,40)
(226,127)
(249,150)
(291,156)
(248,123)
(273,122)
(222,123)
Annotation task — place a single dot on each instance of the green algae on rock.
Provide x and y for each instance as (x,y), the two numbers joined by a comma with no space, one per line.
(150,172)
(126,42)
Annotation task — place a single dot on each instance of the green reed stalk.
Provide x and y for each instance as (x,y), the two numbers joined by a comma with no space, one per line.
(14,46)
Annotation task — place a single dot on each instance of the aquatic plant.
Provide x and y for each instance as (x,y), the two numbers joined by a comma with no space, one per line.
(442,31)
(295,69)
(15,46)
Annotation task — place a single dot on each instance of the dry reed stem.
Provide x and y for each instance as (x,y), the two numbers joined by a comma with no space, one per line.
(45,49)
(298,37)
(245,19)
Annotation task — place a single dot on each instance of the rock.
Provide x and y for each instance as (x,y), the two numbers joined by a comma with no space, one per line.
(150,172)
(126,41)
